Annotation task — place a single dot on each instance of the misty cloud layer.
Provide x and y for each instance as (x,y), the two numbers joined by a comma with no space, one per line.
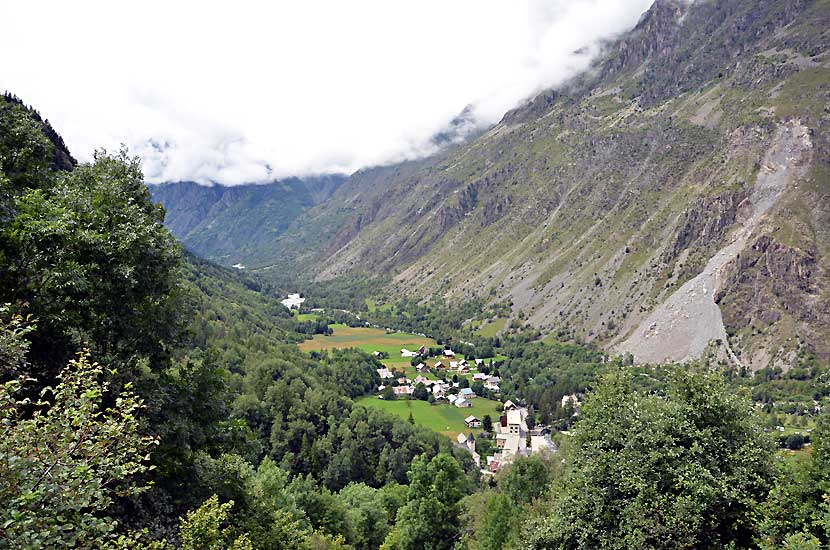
(242,92)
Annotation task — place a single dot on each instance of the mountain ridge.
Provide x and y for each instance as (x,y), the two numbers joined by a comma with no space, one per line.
(588,206)
(224,223)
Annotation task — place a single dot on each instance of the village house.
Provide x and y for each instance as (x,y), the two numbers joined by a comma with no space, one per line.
(511,434)
(406,353)
(462,403)
(449,353)
(467,393)
(421,367)
(453,365)
(479,362)
(468,442)
(492,384)
(463,369)
(402,390)
(423,380)
(479,376)
(403,380)
(492,387)
(472,422)
(384,373)
(438,391)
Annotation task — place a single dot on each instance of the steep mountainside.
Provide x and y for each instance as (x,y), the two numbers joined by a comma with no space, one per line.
(676,195)
(593,205)
(242,223)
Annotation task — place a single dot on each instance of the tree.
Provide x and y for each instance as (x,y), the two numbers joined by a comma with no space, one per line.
(367,518)
(93,261)
(526,480)
(13,343)
(430,519)
(501,518)
(65,457)
(420,392)
(206,528)
(487,423)
(798,503)
(683,469)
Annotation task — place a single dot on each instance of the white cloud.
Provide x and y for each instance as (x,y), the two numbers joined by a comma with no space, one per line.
(247,91)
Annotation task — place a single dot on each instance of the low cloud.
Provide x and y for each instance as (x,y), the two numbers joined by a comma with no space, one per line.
(245,92)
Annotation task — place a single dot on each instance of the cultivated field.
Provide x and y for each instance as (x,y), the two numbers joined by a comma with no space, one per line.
(368,339)
(445,419)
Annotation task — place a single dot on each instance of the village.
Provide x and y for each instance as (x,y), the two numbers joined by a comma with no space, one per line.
(447,381)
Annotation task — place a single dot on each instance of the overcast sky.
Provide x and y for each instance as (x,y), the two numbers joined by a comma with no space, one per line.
(239,91)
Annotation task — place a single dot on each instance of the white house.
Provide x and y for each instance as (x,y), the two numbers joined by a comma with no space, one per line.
(402,390)
(421,367)
(406,353)
(293,301)
(423,380)
(492,387)
(453,365)
(479,376)
(511,434)
(463,403)
(472,422)
(384,373)
(449,353)
(468,442)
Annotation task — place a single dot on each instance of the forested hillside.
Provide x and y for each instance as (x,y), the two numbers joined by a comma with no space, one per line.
(139,382)
(240,224)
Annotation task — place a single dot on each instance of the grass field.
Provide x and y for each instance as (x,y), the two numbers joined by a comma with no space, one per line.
(368,339)
(445,419)
(492,328)
(307,316)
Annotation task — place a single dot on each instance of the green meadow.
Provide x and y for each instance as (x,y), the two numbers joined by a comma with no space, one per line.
(444,418)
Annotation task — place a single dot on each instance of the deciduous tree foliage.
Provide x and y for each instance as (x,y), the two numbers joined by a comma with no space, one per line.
(431,518)
(684,469)
(95,264)
(65,457)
